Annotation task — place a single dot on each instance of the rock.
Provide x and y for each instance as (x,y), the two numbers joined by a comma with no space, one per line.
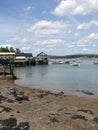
(85,92)
(20,97)
(79,117)
(95,120)
(23,126)
(54,120)
(43,95)
(2,98)
(10,122)
(13,91)
(6,109)
(86,111)
(61,93)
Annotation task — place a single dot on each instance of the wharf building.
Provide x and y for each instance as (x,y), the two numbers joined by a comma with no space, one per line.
(24,59)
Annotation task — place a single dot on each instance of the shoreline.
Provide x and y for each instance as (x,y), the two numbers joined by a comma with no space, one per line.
(44,110)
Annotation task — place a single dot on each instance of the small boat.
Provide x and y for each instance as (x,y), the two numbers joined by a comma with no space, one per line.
(58,62)
(95,62)
(75,64)
(67,62)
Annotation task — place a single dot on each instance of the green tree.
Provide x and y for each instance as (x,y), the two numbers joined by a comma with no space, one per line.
(18,50)
(11,49)
(7,49)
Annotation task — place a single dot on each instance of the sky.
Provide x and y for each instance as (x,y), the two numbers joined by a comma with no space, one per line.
(56,27)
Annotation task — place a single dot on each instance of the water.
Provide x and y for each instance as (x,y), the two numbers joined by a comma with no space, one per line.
(58,78)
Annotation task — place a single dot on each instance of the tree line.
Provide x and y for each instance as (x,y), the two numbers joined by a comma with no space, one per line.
(75,56)
(10,49)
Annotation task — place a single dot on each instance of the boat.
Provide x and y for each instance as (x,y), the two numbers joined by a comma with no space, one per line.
(95,62)
(58,62)
(75,64)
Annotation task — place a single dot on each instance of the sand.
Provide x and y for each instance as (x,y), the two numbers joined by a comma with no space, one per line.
(44,110)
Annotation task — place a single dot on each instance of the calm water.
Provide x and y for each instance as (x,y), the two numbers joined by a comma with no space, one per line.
(58,78)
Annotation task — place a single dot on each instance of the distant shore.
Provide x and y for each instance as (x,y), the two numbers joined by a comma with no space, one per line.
(43,110)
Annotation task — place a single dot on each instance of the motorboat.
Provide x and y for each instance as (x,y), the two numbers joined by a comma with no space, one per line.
(75,64)
(58,62)
(95,62)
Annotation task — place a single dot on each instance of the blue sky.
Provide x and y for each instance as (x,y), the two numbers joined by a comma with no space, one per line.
(56,27)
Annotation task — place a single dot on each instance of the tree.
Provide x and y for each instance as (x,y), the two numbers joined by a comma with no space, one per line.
(12,49)
(7,49)
(18,50)
(3,49)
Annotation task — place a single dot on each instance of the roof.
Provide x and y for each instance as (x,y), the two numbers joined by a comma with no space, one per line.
(24,54)
(42,53)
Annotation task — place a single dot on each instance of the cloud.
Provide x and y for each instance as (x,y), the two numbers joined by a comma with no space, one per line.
(27,48)
(87,25)
(24,40)
(85,49)
(70,45)
(88,41)
(42,33)
(51,42)
(7,45)
(55,37)
(94,22)
(45,28)
(93,36)
(84,26)
(28,8)
(76,7)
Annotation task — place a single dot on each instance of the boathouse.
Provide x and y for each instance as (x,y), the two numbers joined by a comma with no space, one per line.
(41,59)
(24,59)
(7,55)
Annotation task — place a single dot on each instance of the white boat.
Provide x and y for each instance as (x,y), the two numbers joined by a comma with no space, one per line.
(95,62)
(75,64)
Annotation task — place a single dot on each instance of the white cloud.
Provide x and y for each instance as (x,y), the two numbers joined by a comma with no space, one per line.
(38,50)
(83,26)
(93,36)
(88,41)
(24,40)
(70,45)
(45,28)
(6,45)
(94,22)
(27,48)
(75,7)
(87,25)
(51,36)
(94,45)
(49,42)
(28,8)
(42,33)
(85,49)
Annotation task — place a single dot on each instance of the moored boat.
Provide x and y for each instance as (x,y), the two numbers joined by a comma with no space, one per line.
(58,62)
(75,64)
(95,62)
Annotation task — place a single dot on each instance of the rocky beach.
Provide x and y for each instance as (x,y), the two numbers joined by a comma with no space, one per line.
(23,108)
